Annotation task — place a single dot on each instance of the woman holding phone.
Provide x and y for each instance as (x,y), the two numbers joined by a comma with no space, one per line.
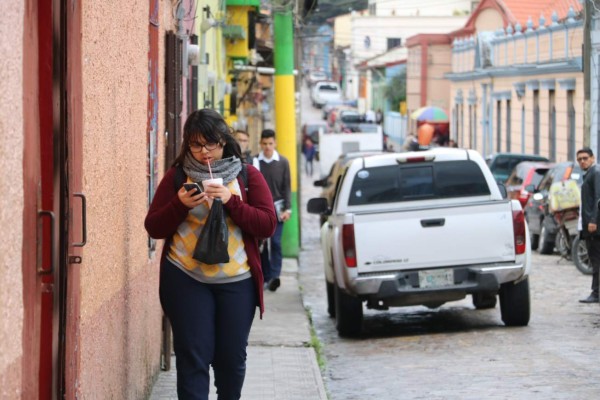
(211,307)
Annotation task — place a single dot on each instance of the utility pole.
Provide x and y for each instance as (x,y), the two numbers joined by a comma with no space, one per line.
(587,64)
(285,114)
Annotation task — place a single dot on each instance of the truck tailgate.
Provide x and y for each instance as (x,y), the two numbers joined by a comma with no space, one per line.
(429,238)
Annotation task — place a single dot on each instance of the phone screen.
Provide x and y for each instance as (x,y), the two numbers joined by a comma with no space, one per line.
(191,186)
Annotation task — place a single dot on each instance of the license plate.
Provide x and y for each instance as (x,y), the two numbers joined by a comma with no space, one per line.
(436,278)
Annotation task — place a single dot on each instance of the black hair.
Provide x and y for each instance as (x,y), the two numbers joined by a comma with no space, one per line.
(586,150)
(267,133)
(209,125)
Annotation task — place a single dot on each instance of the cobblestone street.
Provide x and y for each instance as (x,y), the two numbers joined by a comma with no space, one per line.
(456,352)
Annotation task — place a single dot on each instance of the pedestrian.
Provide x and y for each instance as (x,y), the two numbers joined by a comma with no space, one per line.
(276,170)
(243,139)
(379,116)
(309,151)
(210,307)
(588,216)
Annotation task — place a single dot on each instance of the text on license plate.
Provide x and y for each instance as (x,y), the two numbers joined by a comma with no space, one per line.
(436,278)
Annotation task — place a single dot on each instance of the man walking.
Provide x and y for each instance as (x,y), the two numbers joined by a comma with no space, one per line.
(243,139)
(276,170)
(588,217)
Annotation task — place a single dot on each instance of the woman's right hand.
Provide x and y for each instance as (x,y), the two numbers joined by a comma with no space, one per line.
(190,198)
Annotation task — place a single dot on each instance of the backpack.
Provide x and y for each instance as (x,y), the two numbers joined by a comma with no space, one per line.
(181,177)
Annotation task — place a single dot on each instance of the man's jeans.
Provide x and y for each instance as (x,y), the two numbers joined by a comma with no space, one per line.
(270,257)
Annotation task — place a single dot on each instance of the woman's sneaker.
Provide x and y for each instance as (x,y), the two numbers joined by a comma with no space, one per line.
(274,284)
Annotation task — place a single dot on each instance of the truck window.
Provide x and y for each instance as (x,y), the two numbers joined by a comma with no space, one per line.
(409,182)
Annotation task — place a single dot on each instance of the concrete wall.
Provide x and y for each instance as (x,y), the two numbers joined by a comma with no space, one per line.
(120,322)
(11,200)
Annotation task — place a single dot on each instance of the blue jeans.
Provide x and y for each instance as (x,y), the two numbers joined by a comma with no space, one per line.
(271,263)
(211,324)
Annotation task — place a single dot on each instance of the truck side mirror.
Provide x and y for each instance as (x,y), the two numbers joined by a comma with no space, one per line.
(317,206)
(321,182)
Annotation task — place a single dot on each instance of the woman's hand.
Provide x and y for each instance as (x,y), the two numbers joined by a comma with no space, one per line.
(191,198)
(214,191)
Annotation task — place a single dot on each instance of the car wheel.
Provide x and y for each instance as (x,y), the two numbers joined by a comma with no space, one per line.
(330,299)
(348,313)
(545,245)
(535,241)
(515,307)
(481,301)
(580,257)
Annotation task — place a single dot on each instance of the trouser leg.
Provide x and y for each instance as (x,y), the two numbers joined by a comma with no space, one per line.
(276,255)
(265,261)
(593,247)
(236,305)
(190,307)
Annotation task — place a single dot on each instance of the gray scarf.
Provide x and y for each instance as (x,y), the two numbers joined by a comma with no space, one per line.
(226,168)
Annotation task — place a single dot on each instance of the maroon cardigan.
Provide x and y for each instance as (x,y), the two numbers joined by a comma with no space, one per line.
(255,216)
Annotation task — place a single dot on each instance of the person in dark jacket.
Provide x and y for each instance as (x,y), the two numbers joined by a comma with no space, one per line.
(210,307)
(589,218)
(276,170)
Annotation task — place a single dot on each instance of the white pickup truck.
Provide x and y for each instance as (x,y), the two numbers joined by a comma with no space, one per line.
(422,228)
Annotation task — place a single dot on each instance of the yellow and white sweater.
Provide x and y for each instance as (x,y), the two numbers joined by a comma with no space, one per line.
(185,239)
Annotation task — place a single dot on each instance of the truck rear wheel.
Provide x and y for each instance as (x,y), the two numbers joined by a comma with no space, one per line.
(330,299)
(348,313)
(514,303)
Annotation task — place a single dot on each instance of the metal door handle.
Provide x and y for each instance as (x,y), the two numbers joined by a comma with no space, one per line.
(428,223)
(40,269)
(83,220)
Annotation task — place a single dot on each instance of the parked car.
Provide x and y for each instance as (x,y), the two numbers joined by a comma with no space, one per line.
(542,227)
(334,104)
(413,228)
(524,175)
(325,91)
(502,164)
(315,76)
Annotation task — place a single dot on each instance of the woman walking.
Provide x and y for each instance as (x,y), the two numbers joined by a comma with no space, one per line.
(211,307)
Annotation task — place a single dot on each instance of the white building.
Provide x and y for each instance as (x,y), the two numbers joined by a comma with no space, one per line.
(385,8)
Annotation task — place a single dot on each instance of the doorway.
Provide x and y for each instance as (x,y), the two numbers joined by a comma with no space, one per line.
(52,183)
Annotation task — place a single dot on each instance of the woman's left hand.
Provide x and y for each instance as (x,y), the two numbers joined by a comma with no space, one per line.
(215,191)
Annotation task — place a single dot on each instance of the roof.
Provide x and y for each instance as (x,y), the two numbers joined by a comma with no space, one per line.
(513,11)
(521,11)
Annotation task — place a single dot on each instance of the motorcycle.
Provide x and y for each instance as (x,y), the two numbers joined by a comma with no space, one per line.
(568,243)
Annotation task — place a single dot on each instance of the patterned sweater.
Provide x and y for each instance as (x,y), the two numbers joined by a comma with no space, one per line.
(254,214)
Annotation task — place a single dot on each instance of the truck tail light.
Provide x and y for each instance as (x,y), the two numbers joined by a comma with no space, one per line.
(519,231)
(348,245)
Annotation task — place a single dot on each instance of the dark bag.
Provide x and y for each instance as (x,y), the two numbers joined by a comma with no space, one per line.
(211,247)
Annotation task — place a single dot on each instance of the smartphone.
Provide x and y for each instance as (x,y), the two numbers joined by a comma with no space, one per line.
(192,186)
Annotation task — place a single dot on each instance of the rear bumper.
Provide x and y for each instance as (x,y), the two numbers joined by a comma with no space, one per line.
(467,280)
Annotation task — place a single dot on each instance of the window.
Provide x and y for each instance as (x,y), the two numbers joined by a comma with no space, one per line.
(536,122)
(439,180)
(552,125)
(393,42)
(571,124)
(508,126)
(499,126)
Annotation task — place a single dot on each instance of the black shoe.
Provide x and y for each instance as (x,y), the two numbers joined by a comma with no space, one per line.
(274,284)
(592,298)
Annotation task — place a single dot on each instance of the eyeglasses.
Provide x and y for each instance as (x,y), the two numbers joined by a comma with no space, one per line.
(196,147)
(580,159)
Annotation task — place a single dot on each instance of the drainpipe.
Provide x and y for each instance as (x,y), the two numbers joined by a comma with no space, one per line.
(285,115)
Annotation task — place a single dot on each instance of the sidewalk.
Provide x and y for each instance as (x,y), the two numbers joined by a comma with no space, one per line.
(279,366)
